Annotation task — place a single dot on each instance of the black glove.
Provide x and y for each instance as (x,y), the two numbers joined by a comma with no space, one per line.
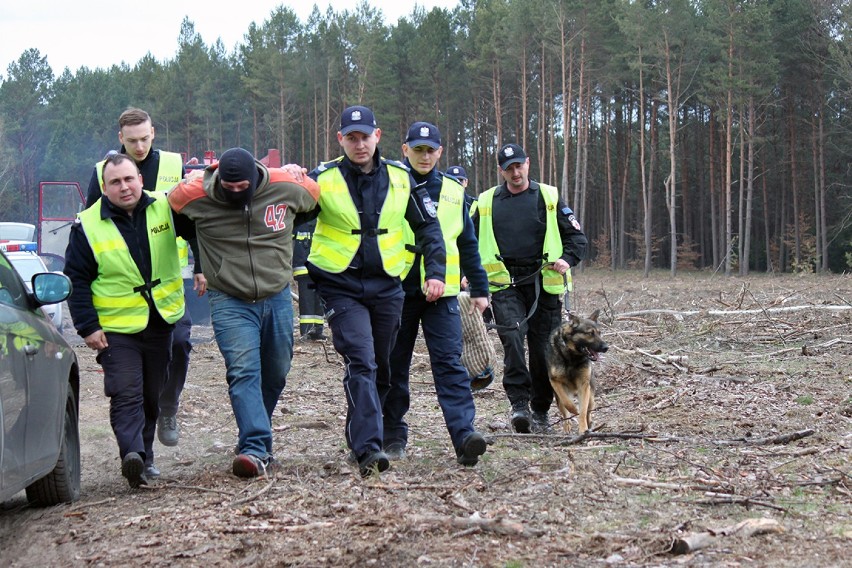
(488,315)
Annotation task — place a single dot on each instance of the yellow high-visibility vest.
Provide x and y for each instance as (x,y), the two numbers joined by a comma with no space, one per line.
(498,275)
(116,297)
(337,235)
(450,212)
(169,171)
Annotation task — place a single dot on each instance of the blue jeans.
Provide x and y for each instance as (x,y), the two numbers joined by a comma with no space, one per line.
(256,341)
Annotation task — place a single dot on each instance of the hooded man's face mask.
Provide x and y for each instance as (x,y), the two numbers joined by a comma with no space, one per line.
(237,165)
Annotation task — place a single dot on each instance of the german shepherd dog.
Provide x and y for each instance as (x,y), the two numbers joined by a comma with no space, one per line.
(570,350)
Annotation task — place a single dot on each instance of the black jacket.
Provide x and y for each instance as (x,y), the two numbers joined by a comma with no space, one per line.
(149,168)
(520,221)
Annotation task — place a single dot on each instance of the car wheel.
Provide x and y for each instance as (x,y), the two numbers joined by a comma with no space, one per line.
(62,485)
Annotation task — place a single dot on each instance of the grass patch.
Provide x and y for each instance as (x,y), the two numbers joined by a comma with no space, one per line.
(96,431)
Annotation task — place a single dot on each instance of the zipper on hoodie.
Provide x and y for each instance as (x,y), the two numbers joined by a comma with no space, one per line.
(247,216)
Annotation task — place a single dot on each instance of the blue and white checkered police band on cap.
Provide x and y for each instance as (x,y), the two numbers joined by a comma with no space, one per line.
(511,154)
(423,134)
(457,172)
(357,118)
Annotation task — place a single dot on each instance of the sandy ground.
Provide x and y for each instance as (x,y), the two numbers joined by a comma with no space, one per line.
(722,432)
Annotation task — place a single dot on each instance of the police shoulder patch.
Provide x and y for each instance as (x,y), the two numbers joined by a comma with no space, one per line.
(574,222)
(567,211)
(429,205)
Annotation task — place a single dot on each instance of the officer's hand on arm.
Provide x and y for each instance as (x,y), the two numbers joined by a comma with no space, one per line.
(97,340)
(199,283)
(561,266)
(298,172)
(433,289)
(193,175)
(478,304)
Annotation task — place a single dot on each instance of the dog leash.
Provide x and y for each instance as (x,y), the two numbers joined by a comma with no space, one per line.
(533,308)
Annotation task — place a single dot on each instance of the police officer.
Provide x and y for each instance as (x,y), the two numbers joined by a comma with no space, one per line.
(480,379)
(356,258)
(440,319)
(127,295)
(160,171)
(528,240)
(310,305)
(460,174)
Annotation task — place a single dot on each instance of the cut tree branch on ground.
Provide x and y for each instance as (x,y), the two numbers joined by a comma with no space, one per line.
(723,378)
(628,481)
(672,360)
(803,349)
(780,439)
(279,528)
(172,485)
(749,527)
(716,498)
(497,525)
(589,435)
(681,314)
(91,504)
(254,495)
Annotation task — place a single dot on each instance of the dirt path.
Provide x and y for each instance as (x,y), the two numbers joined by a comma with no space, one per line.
(720,401)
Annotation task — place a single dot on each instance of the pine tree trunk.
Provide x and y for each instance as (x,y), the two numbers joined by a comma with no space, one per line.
(729,152)
(581,119)
(823,234)
(745,262)
(671,181)
(714,213)
(610,222)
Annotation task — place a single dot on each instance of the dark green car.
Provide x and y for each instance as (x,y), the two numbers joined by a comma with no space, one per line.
(39,393)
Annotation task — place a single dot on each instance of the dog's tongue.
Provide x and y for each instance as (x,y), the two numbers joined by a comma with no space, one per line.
(593,355)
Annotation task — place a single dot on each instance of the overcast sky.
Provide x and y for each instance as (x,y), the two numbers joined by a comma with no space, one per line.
(98,33)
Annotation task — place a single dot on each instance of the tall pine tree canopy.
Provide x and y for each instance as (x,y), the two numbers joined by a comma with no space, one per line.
(685,134)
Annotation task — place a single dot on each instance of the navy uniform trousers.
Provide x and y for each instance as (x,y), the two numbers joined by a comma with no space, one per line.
(442,331)
(135,366)
(178,368)
(364,321)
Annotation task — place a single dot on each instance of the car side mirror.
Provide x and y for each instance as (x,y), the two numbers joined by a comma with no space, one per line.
(51,288)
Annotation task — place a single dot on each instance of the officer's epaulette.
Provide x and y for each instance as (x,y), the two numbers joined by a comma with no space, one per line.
(396,163)
(450,176)
(329,165)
